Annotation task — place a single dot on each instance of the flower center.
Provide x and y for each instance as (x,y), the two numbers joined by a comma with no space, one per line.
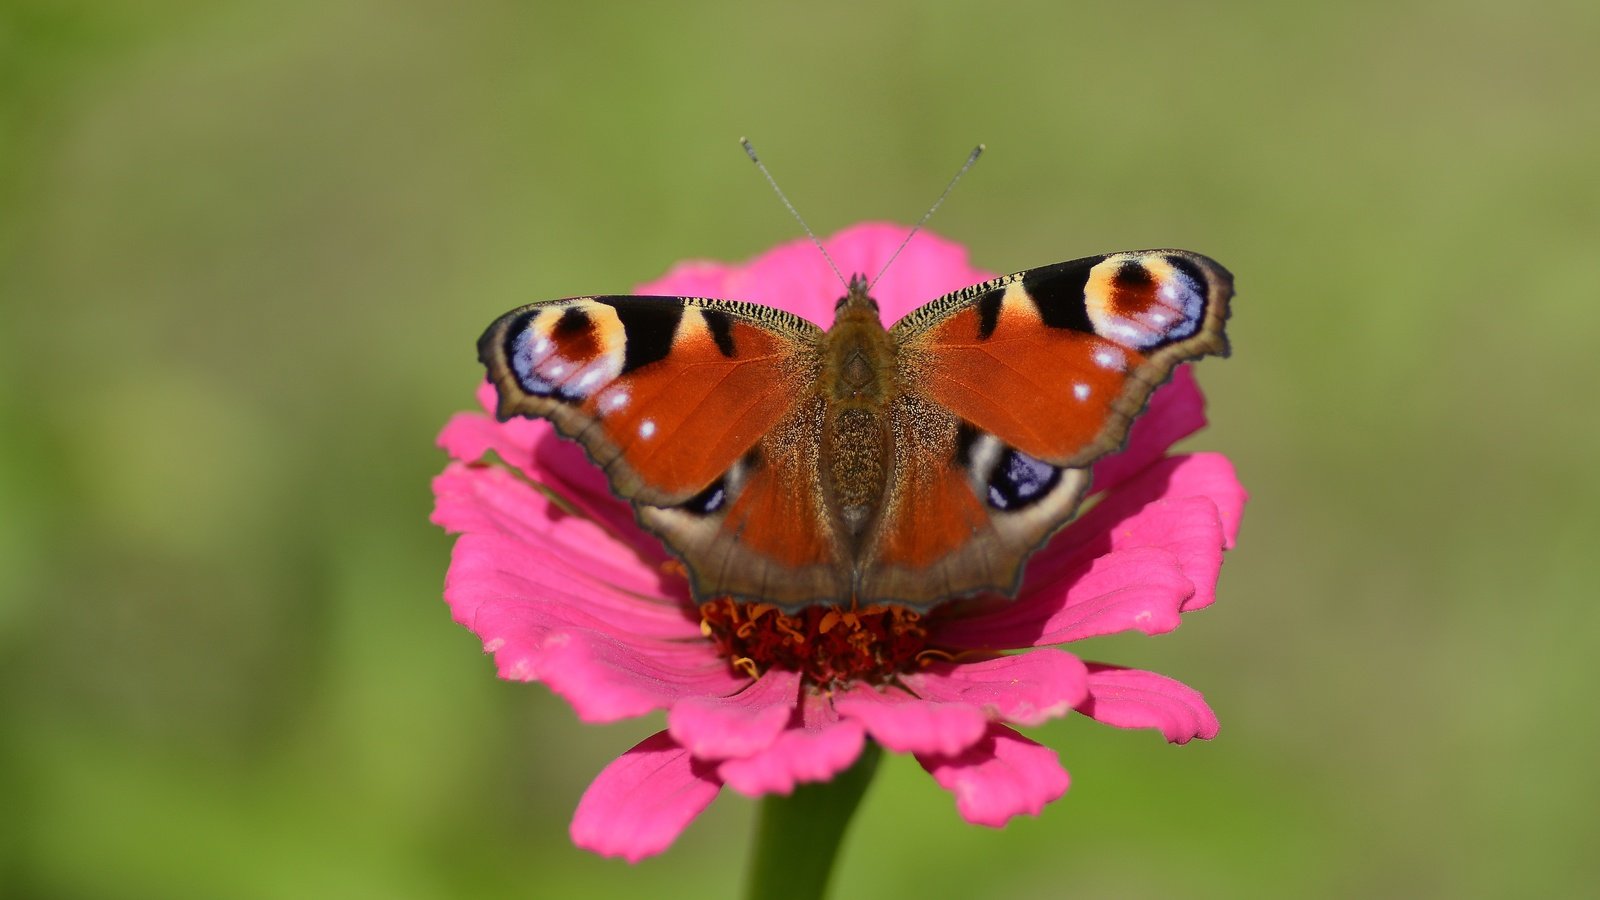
(826,645)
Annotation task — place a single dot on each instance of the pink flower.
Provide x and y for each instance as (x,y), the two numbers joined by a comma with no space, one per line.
(572,593)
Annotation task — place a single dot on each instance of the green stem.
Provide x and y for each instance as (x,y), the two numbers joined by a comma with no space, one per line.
(798,836)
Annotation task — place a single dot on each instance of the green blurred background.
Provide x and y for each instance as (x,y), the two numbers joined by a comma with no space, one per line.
(246,248)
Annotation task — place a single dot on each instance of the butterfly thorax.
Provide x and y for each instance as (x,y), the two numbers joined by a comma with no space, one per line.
(856,382)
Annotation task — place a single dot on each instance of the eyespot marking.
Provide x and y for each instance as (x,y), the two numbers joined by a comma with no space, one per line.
(1144,300)
(1020,480)
(564,351)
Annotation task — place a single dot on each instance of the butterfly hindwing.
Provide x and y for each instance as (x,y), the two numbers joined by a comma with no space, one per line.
(763,532)
(964,512)
(1056,361)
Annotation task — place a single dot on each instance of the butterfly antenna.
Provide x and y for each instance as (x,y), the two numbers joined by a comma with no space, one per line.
(971,158)
(796,213)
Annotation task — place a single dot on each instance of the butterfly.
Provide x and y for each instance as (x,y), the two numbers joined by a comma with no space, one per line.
(862,465)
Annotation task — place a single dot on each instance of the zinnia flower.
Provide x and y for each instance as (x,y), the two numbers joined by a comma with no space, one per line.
(553,574)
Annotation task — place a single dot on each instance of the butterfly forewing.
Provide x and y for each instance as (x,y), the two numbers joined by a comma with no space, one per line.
(666,393)
(1056,361)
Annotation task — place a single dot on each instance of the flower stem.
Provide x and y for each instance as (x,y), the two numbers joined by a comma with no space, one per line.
(798,836)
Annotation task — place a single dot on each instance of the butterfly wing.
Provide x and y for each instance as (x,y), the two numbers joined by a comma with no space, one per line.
(697,410)
(963,511)
(1020,383)
(1057,361)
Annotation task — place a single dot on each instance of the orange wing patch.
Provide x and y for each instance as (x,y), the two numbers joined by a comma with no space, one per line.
(761,531)
(681,422)
(1046,391)
(779,517)
(936,513)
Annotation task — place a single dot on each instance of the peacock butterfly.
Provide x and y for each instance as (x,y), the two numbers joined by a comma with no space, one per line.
(862,465)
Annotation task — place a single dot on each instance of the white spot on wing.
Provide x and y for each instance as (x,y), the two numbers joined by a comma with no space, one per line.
(1081,391)
(1109,358)
(647,428)
(613,400)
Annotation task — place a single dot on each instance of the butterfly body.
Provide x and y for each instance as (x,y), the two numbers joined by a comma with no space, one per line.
(861,465)
(858,379)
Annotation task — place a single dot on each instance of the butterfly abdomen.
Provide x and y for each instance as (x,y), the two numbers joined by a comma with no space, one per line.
(856,382)
(855,452)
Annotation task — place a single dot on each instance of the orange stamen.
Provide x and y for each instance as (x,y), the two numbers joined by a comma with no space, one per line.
(828,646)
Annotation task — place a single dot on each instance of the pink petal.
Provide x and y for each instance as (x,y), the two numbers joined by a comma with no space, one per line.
(470,436)
(565,468)
(930,266)
(637,806)
(795,277)
(1130,698)
(693,278)
(1208,475)
(1188,528)
(908,724)
(1026,689)
(467,437)
(547,613)
(817,747)
(1143,588)
(739,725)
(1001,776)
(792,276)
(606,679)
(1189,505)
(610,653)
(1212,476)
(527,534)
(532,447)
(514,614)
(1176,410)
